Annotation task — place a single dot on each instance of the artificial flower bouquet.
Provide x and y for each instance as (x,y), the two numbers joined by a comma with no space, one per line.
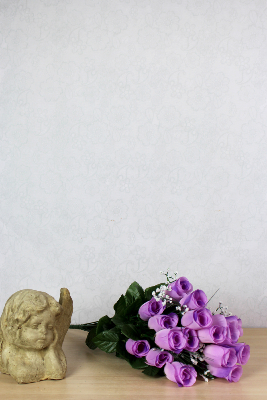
(168,330)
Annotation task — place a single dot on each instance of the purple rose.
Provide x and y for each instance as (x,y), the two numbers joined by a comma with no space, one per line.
(219,320)
(138,348)
(197,319)
(159,322)
(240,327)
(192,343)
(232,374)
(171,339)
(158,358)
(151,308)
(234,324)
(233,330)
(242,352)
(194,300)
(183,375)
(219,356)
(179,288)
(213,334)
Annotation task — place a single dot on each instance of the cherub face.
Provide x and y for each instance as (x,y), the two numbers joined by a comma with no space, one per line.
(38,332)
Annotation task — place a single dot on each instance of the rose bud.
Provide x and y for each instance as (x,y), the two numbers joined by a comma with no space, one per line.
(194,300)
(219,320)
(233,330)
(159,322)
(171,339)
(234,326)
(232,374)
(242,352)
(219,356)
(240,327)
(158,358)
(179,288)
(213,334)
(183,375)
(197,319)
(138,348)
(192,343)
(151,308)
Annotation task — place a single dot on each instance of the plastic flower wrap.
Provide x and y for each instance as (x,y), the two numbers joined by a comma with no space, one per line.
(168,330)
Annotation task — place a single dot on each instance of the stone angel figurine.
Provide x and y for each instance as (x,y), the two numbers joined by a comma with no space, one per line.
(33,326)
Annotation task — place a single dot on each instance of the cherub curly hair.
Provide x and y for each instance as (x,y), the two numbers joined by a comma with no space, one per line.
(21,306)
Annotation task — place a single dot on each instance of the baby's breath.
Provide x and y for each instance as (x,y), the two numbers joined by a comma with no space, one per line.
(223,310)
(161,293)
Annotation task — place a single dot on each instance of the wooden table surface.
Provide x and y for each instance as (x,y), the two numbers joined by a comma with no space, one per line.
(95,375)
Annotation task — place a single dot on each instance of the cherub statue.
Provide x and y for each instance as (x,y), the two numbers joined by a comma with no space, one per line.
(33,326)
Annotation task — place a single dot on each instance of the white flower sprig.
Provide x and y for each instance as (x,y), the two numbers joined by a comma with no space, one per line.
(204,377)
(160,294)
(223,310)
(169,278)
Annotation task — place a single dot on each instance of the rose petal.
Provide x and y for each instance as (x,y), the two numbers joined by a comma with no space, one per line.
(170,372)
(138,348)
(194,300)
(158,358)
(235,373)
(159,322)
(151,308)
(192,343)
(219,372)
(242,352)
(171,339)
(232,374)
(183,375)
(219,320)
(162,339)
(179,288)
(197,319)
(214,334)
(219,356)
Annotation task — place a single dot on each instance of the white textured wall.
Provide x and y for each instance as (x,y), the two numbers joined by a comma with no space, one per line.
(132,139)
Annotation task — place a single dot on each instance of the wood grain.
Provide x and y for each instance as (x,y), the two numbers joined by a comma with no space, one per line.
(95,375)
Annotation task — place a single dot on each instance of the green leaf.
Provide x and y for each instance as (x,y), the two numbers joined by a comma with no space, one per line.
(89,340)
(134,292)
(127,314)
(127,306)
(104,324)
(132,309)
(122,352)
(149,337)
(107,340)
(153,371)
(119,307)
(136,363)
(130,331)
(119,320)
(149,290)
(139,363)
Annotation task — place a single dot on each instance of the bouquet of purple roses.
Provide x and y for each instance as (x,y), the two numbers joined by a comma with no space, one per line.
(168,330)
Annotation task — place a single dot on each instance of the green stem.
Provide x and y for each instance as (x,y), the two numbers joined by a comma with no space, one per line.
(84,327)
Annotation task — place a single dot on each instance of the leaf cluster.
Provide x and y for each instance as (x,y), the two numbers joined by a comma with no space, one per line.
(111,334)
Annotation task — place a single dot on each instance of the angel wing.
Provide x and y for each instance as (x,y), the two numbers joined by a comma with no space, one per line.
(64,319)
(1,343)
